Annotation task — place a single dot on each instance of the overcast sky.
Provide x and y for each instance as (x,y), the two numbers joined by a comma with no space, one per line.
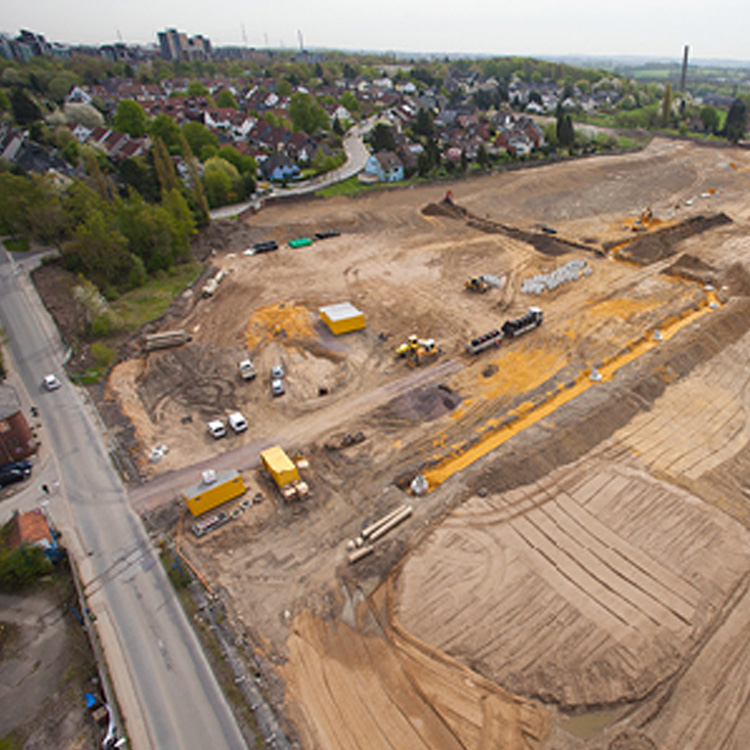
(657,28)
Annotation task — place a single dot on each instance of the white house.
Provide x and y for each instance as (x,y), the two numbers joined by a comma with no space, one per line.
(385,166)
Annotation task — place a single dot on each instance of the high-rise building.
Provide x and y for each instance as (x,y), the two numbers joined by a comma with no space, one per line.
(175,45)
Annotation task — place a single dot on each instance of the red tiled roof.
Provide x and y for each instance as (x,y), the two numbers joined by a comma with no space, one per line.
(29,528)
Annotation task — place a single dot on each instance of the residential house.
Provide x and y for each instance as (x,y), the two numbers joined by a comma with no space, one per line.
(16,439)
(278,168)
(385,166)
(33,529)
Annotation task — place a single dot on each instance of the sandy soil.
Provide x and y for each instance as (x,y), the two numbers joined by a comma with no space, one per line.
(581,561)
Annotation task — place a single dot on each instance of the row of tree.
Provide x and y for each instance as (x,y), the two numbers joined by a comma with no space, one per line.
(115,241)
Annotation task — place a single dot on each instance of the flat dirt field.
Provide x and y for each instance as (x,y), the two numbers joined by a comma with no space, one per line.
(577,574)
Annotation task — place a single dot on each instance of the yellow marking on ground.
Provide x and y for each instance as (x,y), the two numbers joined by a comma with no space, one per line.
(528,413)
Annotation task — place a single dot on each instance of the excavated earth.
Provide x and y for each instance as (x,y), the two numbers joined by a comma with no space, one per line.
(577,576)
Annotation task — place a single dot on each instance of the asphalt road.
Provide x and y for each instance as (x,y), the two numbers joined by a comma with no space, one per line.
(164,685)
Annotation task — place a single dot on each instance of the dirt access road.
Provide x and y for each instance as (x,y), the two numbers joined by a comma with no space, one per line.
(582,556)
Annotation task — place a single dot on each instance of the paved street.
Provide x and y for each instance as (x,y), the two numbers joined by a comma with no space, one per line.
(167,692)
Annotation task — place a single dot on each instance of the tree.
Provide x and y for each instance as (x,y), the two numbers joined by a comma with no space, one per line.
(59,86)
(25,109)
(130,118)
(196,88)
(565,131)
(167,130)
(306,115)
(138,174)
(482,157)
(100,252)
(666,105)
(244,164)
(164,167)
(736,121)
(198,137)
(85,114)
(225,98)
(97,178)
(220,180)
(382,138)
(199,202)
(424,124)
(710,118)
(350,102)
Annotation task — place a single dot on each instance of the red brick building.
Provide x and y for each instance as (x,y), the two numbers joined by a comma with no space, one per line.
(16,439)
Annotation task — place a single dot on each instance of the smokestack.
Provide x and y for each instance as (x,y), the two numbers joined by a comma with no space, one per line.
(684,68)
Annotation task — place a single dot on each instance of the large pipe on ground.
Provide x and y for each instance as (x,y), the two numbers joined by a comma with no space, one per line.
(395,521)
(377,524)
(359,554)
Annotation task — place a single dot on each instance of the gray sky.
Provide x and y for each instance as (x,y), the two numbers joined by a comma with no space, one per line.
(657,28)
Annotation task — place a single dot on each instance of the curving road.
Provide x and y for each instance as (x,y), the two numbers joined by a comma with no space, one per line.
(356,158)
(167,692)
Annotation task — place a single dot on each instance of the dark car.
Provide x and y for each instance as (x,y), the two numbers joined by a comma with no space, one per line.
(14,472)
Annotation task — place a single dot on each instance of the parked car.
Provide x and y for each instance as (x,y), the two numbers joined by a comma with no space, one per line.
(50,382)
(216,429)
(237,422)
(277,387)
(14,472)
(277,372)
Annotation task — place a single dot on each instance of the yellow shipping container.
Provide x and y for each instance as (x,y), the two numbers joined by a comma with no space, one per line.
(206,495)
(342,318)
(280,466)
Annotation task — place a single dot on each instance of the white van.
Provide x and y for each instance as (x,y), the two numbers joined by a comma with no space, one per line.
(237,422)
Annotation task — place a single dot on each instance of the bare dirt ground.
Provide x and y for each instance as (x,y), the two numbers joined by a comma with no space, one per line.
(578,575)
(46,665)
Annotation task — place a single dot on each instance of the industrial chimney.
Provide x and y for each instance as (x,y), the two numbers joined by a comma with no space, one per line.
(684,68)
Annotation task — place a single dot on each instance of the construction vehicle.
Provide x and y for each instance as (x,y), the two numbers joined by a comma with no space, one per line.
(422,348)
(475,284)
(510,329)
(532,319)
(485,341)
(644,221)
(425,352)
(411,343)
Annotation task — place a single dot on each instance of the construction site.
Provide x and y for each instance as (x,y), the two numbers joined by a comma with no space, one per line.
(503,497)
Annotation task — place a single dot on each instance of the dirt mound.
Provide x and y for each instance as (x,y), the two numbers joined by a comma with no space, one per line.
(689,267)
(451,210)
(542,242)
(422,404)
(286,323)
(651,248)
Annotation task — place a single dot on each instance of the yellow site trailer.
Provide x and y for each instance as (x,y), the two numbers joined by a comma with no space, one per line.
(342,318)
(281,467)
(214,489)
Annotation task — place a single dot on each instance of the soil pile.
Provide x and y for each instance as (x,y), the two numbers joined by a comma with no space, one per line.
(651,248)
